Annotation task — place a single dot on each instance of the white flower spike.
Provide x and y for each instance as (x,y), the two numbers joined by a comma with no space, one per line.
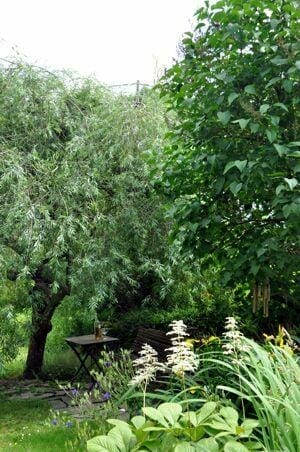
(182,358)
(147,365)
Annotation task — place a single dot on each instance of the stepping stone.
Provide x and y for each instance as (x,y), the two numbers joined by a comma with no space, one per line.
(24,396)
(58,404)
(45,395)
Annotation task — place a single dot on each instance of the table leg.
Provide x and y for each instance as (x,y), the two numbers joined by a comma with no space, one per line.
(82,361)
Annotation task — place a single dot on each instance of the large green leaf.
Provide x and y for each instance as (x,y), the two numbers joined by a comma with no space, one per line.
(250,89)
(235,187)
(184,446)
(292,183)
(264,108)
(240,164)
(155,415)
(224,117)
(234,446)
(138,421)
(206,411)
(170,411)
(232,97)
(102,444)
(230,415)
(207,445)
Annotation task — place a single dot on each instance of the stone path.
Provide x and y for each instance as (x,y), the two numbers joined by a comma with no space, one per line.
(59,399)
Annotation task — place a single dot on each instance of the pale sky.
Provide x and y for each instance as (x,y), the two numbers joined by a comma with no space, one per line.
(119,41)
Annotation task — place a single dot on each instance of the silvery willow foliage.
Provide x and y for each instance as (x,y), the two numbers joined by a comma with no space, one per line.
(77,211)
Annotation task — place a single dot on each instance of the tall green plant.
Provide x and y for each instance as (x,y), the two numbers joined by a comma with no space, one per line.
(268,380)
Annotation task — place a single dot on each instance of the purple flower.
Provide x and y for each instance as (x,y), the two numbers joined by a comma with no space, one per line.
(107,364)
(74,391)
(106,396)
(54,422)
(69,424)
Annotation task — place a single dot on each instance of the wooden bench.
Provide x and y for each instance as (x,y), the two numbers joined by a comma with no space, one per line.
(156,338)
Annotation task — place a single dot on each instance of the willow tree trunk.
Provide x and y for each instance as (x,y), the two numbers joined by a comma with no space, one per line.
(43,307)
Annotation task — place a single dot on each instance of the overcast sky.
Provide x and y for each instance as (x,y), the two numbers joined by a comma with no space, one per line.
(119,41)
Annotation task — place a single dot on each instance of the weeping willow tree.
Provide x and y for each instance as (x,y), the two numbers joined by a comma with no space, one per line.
(77,211)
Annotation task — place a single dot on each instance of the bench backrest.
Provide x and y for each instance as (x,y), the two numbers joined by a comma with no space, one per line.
(156,338)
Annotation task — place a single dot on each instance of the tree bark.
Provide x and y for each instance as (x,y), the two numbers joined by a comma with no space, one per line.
(41,326)
(43,307)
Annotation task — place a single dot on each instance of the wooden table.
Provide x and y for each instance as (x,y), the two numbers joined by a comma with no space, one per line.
(87,346)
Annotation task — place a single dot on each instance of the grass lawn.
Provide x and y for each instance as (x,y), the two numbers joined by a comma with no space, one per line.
(25,426)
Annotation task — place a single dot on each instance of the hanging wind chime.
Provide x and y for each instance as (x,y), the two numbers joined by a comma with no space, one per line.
(261,296)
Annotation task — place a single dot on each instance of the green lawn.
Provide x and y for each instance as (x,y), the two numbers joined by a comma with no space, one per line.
(59,365)
(25,426)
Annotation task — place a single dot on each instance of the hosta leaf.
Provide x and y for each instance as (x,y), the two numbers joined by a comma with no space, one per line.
(123,437)
(118,422)
(191,417)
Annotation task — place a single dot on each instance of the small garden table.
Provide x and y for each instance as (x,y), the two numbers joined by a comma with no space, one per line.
(87,346)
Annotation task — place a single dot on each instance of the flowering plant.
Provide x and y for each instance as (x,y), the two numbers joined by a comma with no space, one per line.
(147,365)
(182,358)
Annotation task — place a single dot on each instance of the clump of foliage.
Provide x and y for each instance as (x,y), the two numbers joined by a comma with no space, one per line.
(213,427)
(265,379)
(231,165)
(259,383)
(78,213)
(195,296)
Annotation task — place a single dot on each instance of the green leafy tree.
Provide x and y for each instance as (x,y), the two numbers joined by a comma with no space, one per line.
(231,166)
(78,216)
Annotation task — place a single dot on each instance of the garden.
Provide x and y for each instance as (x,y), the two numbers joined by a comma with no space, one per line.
(150,247)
